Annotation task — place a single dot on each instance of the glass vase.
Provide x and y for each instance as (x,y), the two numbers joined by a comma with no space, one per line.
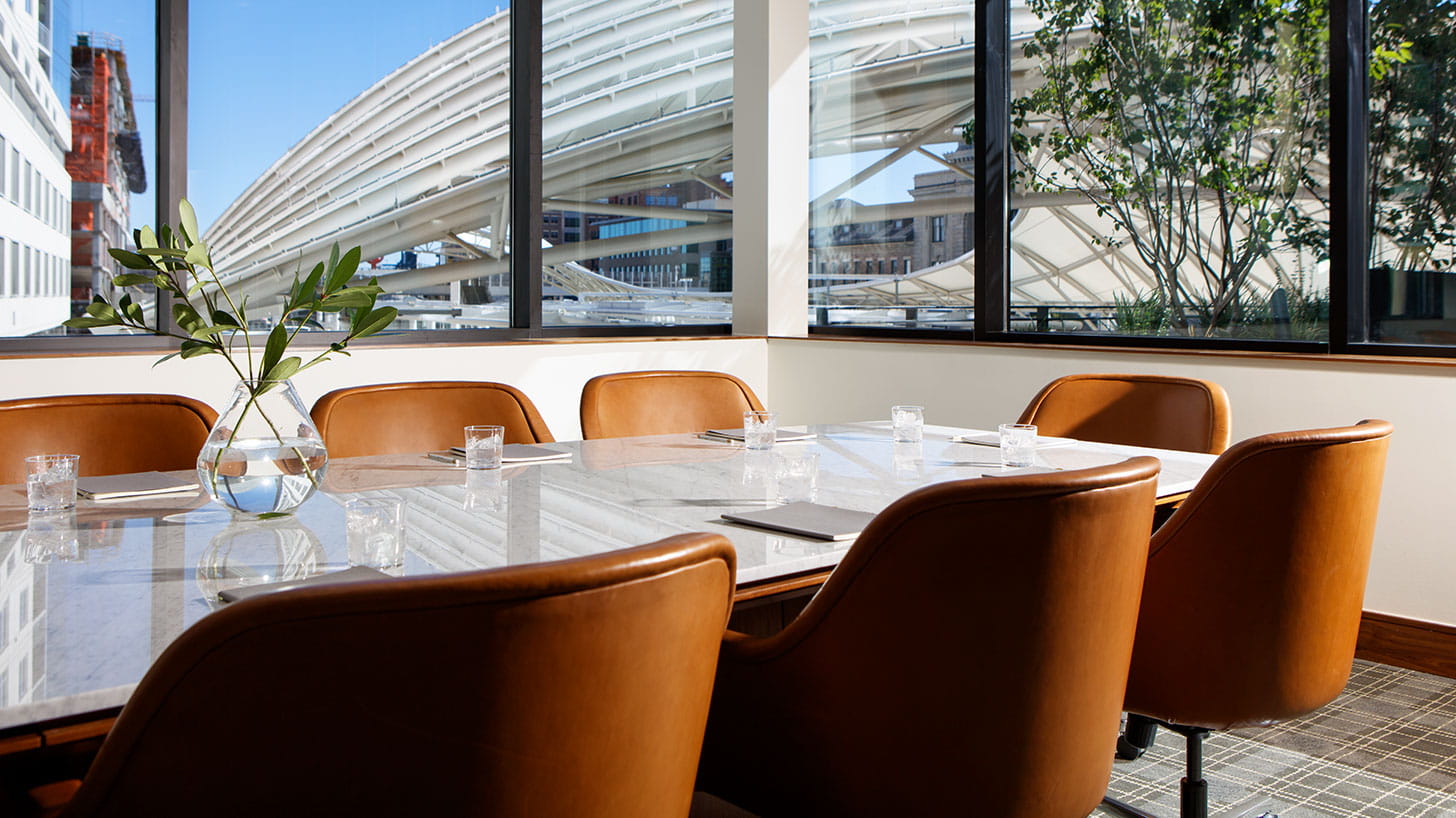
(264,455)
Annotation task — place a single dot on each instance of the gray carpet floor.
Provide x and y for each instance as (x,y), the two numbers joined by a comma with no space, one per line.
(1385,747)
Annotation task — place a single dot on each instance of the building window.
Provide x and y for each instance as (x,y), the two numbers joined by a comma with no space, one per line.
(937,229)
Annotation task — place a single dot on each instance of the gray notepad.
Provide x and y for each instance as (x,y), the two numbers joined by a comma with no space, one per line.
(357,573)
(807,520)
(125,486)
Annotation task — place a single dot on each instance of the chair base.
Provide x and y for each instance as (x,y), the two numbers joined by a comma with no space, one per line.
(1193,792)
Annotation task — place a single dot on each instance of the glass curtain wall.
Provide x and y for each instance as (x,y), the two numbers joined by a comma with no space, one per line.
(77,111)
(1412,284)
(1171,174)
(890,169)
(361,122)
(637,162)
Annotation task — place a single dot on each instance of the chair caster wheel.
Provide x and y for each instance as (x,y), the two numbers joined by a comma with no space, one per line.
(1127,751)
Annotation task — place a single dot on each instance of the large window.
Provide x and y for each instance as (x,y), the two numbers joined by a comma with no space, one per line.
(637,168)
(891,91)
(1412,284)
(298,141)
(1169,169)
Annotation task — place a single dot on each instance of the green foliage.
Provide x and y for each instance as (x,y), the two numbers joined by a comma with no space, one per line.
(1143,314)
(1191,125)
(208,321)
(1413,134)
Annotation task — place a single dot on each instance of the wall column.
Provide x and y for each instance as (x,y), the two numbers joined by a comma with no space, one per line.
(770,167)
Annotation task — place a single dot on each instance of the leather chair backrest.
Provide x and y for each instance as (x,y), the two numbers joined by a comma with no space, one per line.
(558,689)
(400,418)
(634,404)
(113,434)
(968,656)
(1135,410)
(1255,585)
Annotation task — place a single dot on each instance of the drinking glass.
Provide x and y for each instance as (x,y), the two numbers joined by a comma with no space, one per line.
(1018,444)
(483,446)
(907,423)
(51,535)
(376,532)
(485,490)
(796,476)
(760,429)
(50,481)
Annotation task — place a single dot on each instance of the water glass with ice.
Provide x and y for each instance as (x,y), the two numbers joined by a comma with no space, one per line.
(760,429)
(376,532)
(907,423)
(483,446)
(485,490)
(796,476)
(1018,444)
(50,481)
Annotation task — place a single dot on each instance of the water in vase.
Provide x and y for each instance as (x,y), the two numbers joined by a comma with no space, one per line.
(262,475)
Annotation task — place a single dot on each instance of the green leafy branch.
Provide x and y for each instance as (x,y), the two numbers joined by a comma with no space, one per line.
(207,319)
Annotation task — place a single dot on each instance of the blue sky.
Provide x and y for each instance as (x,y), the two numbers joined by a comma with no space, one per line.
(265,72)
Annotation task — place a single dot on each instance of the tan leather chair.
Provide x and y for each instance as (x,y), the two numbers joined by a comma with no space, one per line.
(1254,590)
(1135,410)
(663,402)
(965,613)
(400,418)
(113,434)
(562,689)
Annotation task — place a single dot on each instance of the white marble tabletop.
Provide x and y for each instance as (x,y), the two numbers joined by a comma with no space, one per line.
(85,606)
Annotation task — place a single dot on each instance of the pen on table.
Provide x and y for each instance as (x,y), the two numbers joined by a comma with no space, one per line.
(444,458)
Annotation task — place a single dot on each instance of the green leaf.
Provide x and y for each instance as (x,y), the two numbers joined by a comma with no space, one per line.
(191,349)
(187,318)
(145,237)
(197,255)
(340,273)
(101,309)
(86,322)
(131,260)
(225,319)
(130,279)
(376,321)
(310,285)
(284,369)
(358,297)
(189,221)
(273,351)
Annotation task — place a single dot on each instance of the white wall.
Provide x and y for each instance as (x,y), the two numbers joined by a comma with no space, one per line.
(1414,569)
(550,373)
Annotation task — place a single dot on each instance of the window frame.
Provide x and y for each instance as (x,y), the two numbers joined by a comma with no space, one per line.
(1349,282)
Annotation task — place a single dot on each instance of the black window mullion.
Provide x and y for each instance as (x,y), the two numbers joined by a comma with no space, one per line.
(1349,174)
(993,138)
(525,161)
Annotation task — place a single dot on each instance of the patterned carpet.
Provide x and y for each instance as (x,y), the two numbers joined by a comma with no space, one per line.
(1385,747)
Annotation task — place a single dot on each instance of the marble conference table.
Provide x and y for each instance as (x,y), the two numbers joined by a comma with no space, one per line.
(86,604)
